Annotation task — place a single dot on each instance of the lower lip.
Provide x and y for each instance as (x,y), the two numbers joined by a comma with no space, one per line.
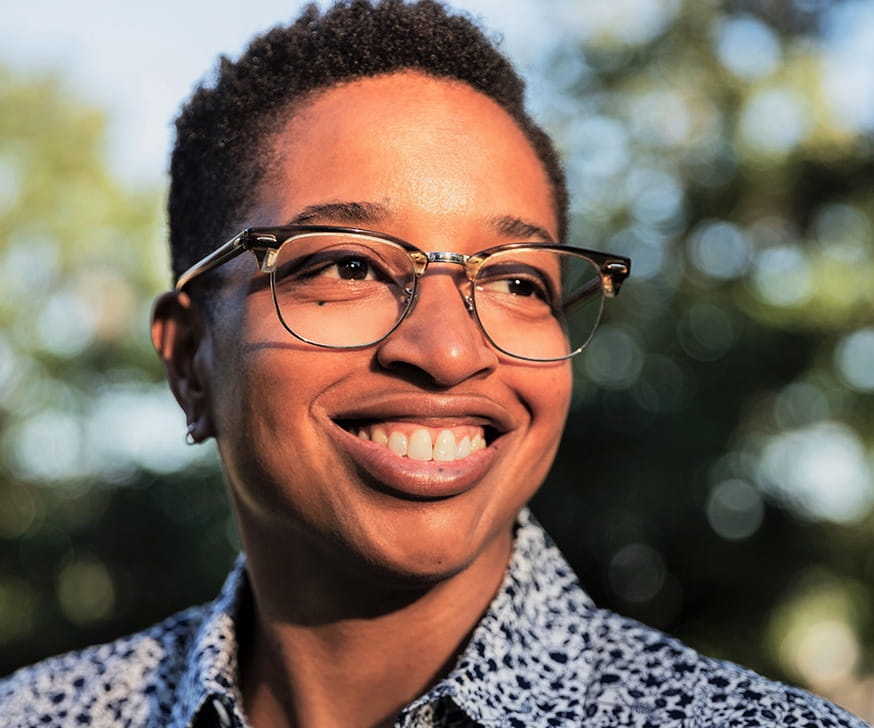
(416,479)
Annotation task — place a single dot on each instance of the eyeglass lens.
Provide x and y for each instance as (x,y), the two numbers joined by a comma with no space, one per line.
(347,290)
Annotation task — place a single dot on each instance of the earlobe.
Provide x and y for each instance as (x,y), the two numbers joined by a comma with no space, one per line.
(179,336)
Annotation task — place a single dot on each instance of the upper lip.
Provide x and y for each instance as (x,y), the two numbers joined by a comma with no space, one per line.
(427,409)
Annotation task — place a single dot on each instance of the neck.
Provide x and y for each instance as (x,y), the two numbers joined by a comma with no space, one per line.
(337,649)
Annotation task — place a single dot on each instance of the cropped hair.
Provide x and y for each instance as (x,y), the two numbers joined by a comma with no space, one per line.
(220,156)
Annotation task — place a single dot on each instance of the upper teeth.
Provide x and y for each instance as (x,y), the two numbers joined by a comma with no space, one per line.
(420,445)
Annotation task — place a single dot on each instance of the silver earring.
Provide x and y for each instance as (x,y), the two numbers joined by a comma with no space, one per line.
(189,435)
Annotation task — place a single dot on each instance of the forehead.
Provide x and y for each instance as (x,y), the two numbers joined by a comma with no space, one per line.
(408,142)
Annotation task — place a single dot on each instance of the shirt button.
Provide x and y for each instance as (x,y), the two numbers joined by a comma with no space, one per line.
(222,714)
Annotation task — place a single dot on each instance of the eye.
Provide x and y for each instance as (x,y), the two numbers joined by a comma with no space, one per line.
(350,269)
(340,267)
(521,287)
(515,285)
(346,267)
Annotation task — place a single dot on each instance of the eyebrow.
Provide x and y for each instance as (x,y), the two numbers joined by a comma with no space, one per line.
(514,227)
(350,213)
(373,214)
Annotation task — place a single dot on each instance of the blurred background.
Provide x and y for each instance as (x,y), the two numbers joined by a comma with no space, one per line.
(717,477)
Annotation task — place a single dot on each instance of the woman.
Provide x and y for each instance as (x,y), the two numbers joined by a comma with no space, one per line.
(383,360)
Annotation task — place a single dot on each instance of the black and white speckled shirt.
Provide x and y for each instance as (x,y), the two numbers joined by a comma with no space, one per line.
(543,656)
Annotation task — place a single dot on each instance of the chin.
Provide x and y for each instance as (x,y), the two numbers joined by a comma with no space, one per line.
(414,576)
(428,556)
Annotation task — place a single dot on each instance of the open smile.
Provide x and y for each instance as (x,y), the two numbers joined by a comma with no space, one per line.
(424,443)
(431,450)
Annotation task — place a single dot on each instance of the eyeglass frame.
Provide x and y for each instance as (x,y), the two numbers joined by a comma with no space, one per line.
(264,243)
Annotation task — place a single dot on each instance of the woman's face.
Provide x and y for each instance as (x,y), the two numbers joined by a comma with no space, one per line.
(444,167)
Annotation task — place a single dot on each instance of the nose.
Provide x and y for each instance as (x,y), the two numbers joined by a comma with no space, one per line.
(439,338)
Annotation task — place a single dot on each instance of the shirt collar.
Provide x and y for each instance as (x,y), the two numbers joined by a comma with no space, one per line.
(211,670)
(535,626)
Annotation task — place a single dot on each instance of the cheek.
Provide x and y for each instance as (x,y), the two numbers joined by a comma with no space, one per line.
(548,395)
(268,445)
(251,386)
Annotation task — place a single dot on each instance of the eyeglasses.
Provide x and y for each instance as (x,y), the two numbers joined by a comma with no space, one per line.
(346,288)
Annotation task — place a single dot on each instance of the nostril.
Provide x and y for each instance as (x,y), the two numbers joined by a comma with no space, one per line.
(409,372)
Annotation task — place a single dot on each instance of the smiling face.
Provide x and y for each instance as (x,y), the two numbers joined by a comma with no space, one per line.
(409,458)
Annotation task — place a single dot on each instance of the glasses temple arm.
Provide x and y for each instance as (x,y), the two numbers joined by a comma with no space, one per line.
(608,282)
(221,255)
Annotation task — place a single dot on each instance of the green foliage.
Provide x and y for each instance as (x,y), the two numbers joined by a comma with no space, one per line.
(93,514)
(717,469)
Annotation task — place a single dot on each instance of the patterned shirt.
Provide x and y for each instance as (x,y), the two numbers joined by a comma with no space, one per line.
(543,656)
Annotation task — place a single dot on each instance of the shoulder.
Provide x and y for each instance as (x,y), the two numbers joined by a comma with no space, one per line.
(125,682)
(545,654)
(639,671)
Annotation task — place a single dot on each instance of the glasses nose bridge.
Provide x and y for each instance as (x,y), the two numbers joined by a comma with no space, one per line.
(423,261)
(444,256)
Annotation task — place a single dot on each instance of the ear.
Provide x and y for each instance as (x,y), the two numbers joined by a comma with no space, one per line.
(180,337)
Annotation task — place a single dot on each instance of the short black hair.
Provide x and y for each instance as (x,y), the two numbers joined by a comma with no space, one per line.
(219,157)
